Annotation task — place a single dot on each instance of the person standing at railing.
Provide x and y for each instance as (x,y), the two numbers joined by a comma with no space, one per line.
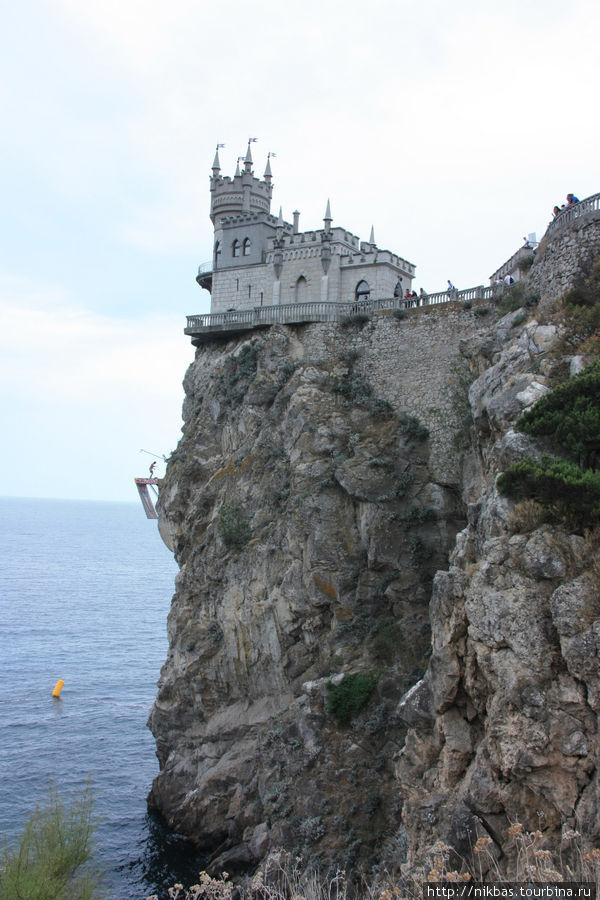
(423,297)
(452,291)
(571,199)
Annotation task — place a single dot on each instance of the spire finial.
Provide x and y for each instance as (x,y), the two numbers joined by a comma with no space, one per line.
(216,166)
(248,159)
(237,168)
(372,238)
(268,173)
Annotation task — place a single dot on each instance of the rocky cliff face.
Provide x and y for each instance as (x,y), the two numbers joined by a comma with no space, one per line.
(308,527)
(504,724)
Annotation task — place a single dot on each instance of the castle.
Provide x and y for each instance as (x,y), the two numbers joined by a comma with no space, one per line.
(261,260)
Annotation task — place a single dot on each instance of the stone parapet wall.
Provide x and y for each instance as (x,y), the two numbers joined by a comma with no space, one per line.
(563,254)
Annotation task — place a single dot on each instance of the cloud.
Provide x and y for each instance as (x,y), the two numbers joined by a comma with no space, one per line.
(83,392)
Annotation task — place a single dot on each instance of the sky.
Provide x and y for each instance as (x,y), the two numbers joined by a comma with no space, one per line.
(451,128)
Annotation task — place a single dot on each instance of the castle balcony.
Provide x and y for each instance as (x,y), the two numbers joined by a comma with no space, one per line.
(204,276)
(212,326)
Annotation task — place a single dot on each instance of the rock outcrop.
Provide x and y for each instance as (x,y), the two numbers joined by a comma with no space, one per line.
(504,723)
(308,525)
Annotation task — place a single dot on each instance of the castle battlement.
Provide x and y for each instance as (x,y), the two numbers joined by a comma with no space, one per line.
(261,260)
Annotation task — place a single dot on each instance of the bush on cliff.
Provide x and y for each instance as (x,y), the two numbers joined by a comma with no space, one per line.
(346,699)
(570,415)
(234,527)
(565,490)
(237,373)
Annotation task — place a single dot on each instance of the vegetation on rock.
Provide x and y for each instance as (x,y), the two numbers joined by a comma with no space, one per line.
(570,415)
(48,862)
(350,696)
(234,527)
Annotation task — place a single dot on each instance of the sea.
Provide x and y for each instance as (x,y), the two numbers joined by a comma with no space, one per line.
(85,589)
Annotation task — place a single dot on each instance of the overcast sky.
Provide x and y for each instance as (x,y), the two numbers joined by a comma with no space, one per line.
(451,127)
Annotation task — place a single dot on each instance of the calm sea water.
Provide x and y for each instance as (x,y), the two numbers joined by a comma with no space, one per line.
(85,589)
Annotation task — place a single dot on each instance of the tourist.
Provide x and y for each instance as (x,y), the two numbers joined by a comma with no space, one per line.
(571,199)
(508,279)
(555,211)
(423,297)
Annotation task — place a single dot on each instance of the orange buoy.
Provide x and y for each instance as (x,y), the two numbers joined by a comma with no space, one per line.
(58,688)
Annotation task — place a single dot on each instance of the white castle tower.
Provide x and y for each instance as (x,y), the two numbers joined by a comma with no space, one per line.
(261,260)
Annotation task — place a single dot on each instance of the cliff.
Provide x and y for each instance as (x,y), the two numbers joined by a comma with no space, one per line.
(368,650)
(308,524)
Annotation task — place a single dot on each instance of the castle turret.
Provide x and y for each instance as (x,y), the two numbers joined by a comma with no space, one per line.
(241,194)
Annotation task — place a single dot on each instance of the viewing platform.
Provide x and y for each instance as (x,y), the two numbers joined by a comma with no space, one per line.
(209,326)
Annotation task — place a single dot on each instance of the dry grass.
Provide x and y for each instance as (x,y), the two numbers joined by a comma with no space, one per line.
(525,859)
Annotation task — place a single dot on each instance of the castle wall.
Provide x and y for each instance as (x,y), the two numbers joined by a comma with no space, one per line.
(415,364)
(563,254)
(241,288)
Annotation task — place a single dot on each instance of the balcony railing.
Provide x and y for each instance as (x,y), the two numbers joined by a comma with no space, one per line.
(208,324)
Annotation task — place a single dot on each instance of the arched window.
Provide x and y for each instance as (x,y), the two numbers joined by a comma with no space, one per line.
(247,246)
(301,290)
(236,248)
(217,254)
(398,292)
(363,292)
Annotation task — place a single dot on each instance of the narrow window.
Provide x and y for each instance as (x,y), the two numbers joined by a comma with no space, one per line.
(217,254)
(301,290)
(363,292)
(236,248)
(247,246)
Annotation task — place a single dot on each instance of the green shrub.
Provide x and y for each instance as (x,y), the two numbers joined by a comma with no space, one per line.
(399,314)
(238,371)
(414,428)
(515,296)
(418,515)
(346,699)
(355,389)
(234,527)
(481,311)
(48,863)
(570,415)
(467,305)
(420,552)
(526,262)
(358,318)
(386,638)
(567,492)
(518,320)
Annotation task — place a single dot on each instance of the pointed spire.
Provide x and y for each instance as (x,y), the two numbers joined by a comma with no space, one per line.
(372,238)
(248,159)
(237,168)
(216,166)
(280,219)
(268,173)
(327,217)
